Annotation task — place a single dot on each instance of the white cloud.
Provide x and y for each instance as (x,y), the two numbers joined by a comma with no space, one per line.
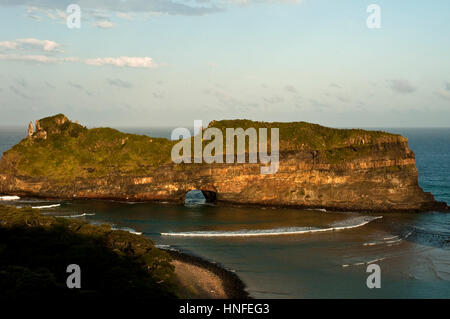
(61,14)
(173,7)
(123,61)
(39,10)
(36,58)
(45,45)
(445,94)
(8,44)
(104,24)
(125,15)
(37,13)
(19,45)
(34,11)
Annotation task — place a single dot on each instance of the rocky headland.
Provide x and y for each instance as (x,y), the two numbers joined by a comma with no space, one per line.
(319,167)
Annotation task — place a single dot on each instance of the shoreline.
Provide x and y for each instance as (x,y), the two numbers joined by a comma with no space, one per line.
(233,286)
(193,277)
(442,207)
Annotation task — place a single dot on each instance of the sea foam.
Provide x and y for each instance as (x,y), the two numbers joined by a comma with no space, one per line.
(348,224)
(8,198)
(128,229)
(46,206)
(323,210)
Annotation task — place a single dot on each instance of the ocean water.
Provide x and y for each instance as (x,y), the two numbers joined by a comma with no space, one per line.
(290,253)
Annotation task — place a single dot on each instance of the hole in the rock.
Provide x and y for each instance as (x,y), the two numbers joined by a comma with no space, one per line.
(198,197)
(194,197)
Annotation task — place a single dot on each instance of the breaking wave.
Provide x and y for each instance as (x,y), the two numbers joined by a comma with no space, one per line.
(46,206)
(7,198)
(364,262)
(166,247)
(391,240)
(323,210)
(347,224)
(128,229)
(79,215)
(113,226)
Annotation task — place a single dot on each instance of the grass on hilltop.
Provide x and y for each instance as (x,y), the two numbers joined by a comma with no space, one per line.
(73,151)
(308,136)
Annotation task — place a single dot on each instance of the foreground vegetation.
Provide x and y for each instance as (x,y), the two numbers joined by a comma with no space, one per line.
(35,251)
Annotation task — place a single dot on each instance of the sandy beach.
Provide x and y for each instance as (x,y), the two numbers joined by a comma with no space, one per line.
(202,279)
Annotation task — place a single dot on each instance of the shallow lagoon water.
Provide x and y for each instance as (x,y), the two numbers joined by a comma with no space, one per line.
(413,250)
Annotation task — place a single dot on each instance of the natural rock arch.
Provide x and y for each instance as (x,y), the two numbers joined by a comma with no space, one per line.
(209,195)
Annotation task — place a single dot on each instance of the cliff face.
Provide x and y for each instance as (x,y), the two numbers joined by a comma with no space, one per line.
(319,167)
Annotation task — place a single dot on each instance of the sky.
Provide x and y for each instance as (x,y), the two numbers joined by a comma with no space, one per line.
(166,63)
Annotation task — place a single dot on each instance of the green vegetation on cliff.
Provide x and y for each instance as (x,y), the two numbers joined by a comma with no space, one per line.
(71,150)
(35,251)
(296,136)
(63,150)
